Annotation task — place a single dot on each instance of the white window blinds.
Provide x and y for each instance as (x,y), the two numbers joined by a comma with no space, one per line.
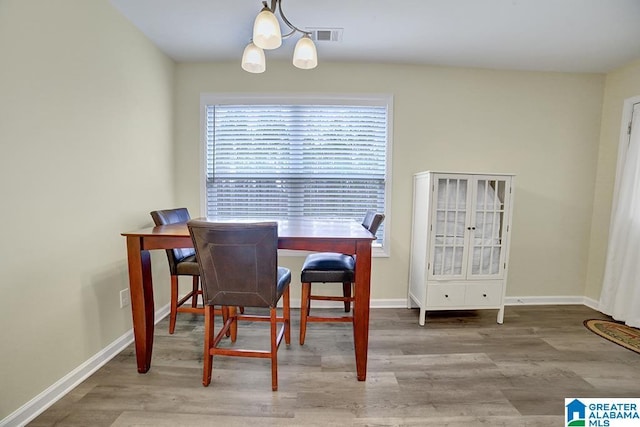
(320,161)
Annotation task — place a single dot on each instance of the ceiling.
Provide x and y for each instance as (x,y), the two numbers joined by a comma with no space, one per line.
(540,35)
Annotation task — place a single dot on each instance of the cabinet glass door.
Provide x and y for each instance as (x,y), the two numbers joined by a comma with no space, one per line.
(451,201)
(487,226)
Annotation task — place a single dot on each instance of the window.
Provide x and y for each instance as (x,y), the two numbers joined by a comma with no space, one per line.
(274,157)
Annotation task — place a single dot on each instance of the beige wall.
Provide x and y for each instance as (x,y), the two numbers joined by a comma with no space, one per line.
(621,84)
(544,127)
(86,111)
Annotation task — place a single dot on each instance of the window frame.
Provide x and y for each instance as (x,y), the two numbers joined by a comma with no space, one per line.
(368,99)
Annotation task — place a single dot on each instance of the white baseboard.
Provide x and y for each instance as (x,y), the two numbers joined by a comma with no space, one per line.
(59,389)
(389,303)
(402,302)
(55,392)
(376,303)
(556,300)
(591,303)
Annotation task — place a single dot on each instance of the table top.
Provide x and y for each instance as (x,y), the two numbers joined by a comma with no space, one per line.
(291,227)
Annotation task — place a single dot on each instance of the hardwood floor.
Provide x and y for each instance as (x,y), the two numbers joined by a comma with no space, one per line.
(461,369)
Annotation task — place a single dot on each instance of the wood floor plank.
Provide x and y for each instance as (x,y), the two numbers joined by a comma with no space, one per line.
(460,369)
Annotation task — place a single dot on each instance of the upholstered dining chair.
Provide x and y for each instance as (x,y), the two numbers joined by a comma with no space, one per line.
(330,267)
(182,262)
(239,267)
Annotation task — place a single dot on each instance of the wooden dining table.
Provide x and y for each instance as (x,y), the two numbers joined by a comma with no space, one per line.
(300,234)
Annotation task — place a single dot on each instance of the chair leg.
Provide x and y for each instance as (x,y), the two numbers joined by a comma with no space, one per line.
(194,295)
(233,314)
(304,310)
(274,350)
(286,313)
(174,304)
(208,343)
(224,311)
(346,291)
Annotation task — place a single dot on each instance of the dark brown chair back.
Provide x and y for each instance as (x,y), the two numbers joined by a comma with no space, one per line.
(238,262)
(372,221)
(174,216)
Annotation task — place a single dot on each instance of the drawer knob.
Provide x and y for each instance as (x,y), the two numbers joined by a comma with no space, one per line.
(484,295)
(446,295)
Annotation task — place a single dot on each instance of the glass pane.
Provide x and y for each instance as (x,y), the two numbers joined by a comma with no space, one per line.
(487,235)
(275,161)
(449,227)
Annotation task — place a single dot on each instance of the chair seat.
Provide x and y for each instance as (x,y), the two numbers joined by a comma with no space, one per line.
(188,266)
(328,261)
(328,267)
(284,278)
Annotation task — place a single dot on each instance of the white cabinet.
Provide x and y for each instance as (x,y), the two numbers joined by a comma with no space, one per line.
(460,241)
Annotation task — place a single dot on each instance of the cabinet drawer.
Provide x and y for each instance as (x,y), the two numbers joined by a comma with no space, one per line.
(481,295)
(445,295)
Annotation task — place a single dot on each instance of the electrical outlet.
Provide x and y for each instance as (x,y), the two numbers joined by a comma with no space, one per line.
(125,298)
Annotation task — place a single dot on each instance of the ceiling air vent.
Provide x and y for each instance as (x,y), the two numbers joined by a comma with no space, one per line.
(325,34)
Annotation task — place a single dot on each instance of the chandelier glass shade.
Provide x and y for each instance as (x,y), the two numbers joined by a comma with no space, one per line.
(253,59)
(267,35)
(266,30)
(305,55)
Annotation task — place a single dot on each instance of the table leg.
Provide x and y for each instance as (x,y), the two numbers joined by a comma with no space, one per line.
(142,308)
(361,307)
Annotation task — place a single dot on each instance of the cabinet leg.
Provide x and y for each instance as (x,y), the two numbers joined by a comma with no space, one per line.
(501,315)
(423,314)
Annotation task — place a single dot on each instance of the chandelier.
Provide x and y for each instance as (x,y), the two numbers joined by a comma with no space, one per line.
(267,35)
